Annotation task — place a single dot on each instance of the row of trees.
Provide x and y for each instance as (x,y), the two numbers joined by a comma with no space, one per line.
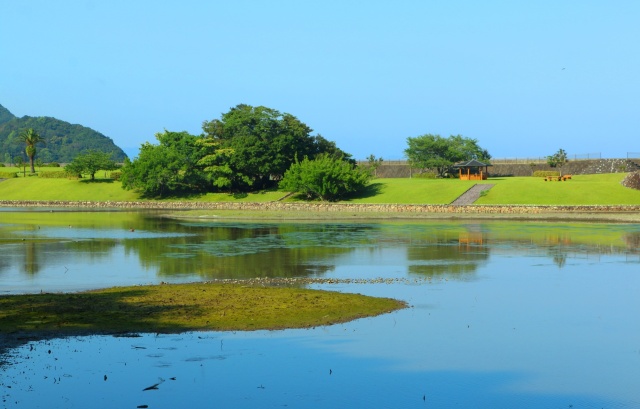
(253,148)
(248,148)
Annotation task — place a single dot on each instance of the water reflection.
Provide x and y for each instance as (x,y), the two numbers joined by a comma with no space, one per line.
(504,314)
(40,250)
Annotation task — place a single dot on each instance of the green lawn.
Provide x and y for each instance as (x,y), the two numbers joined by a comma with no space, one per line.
(581,190)
(102,190)
(602,189)
(406,191)
(21,173)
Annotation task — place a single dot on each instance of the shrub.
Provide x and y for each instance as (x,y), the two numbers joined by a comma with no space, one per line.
(425,175)
(115,175)
(8,175)
(325,177)
(545,173)
(53,165)
(53,175)
(1,165)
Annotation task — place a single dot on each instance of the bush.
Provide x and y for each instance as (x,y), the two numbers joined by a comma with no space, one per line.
(116,175)
(53,175)
(8,175)
(325,177)
(425,175)
(1,165)
(53,165)
(545,173)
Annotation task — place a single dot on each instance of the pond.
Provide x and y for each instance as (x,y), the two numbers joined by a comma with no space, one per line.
(502,314)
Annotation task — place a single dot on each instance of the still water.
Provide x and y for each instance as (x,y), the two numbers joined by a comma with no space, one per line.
(503,314)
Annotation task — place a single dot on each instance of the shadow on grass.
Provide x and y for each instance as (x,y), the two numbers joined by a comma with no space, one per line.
(33,317)
(371,190)
(92,181)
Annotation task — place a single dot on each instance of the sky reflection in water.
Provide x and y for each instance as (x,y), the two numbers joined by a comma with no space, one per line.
(502,315)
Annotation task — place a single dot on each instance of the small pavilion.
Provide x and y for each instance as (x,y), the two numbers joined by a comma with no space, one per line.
(473,170)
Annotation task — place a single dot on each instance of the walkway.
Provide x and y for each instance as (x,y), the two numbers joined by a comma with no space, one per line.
(471,195)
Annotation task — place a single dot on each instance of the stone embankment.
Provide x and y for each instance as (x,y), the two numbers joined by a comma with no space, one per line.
(576,167)
(323,207)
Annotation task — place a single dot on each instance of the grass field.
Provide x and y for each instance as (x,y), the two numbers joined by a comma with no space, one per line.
(405,190)
(602,189)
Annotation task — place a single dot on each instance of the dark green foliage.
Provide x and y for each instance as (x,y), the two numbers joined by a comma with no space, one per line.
(557,159)
(263,143)
(89,163)
(63,140)
(5,115)
(31,138)
(247,149)
(168,169)
(326,178)
(438,153)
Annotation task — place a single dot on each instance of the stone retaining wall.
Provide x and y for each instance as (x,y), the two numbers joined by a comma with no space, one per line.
(579,167)
(324,207)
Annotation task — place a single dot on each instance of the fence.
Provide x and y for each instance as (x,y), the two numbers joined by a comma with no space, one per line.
(514,161)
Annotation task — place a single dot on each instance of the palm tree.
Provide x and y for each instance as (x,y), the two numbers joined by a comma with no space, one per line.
(31,138)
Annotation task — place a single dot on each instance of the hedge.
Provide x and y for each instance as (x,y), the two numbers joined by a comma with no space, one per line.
(545,173)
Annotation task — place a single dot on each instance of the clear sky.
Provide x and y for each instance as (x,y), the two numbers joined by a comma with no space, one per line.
(524,78)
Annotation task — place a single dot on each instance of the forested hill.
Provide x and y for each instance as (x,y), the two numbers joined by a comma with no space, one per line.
(63,141)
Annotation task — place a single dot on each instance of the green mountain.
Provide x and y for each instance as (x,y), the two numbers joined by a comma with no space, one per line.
(63,141)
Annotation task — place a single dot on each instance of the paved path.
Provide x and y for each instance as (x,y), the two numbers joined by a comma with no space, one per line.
(471,195)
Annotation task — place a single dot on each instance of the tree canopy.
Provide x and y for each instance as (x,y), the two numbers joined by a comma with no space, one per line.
(435,152)
(262,143)
(31,138)
(248,148)
(557,159)
(166,169)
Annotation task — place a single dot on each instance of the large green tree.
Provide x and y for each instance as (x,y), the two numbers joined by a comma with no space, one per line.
(435,152)
(326,178)
(90,162)
(167,169)
(263,143)
(31,138)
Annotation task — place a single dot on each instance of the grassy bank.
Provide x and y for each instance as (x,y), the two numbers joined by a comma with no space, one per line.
(185,307)
(603,189)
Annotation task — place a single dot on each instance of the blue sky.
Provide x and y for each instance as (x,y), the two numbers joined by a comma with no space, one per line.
(523,78)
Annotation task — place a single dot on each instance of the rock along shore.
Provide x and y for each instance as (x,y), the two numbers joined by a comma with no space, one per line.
(328,207)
